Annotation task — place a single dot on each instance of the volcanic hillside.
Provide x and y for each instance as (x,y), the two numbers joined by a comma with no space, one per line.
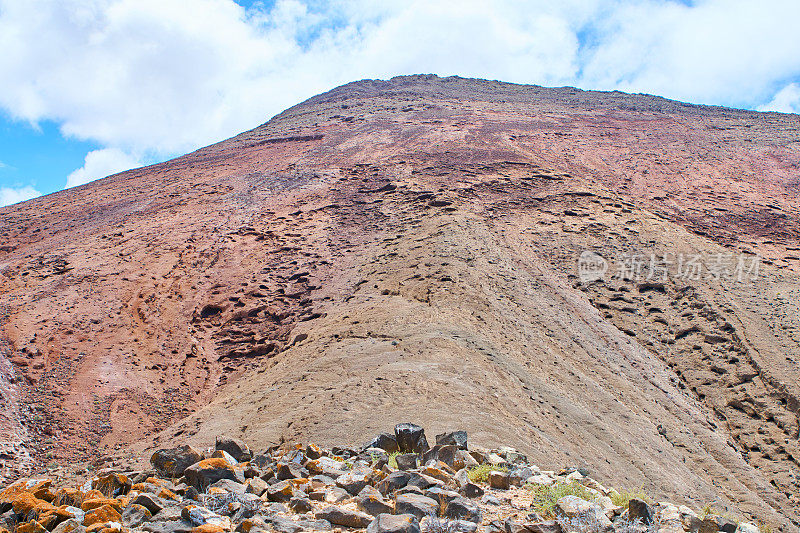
(407,250)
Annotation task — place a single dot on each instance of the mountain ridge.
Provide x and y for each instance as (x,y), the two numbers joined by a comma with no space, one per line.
(232,290)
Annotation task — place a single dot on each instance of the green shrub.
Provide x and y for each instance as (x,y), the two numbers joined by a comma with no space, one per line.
(393,459)
(480,473)
(545,497)
(622,497)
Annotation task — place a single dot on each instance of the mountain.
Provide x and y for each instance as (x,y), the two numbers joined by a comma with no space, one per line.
(600,280)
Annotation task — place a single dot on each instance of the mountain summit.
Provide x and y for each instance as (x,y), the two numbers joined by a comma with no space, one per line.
(601,280)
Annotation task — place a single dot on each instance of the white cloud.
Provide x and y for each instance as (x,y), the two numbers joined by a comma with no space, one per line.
(102,163)
(162,77)
(787,100)
(13,195)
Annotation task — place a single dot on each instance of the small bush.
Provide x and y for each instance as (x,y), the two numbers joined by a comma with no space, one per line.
(623,497)
(706,511)
(393,460)
(545,497)
(480,473)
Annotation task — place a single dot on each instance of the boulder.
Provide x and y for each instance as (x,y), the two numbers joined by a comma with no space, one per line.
(222,454)
(444,453)
(256,486)
(336,495)
(422,481)
(406,461)
(746,527)
(289,471)
(454,438)
(237,448)
(300,504)
(354,480)
(203,474)
(371,502)
(313,451)
(112,485)
(344,517)
(172,462)
(70,526)
(574,507)
(416,504)
(385,442)
(399,523)
(499,480)
(471,490)
(543,526)
(200,516)
(410,438)
(463,509)
(149,501)
(135,515)
(441,495)
(280,492)
(639,510)
(393,482)
(104,513)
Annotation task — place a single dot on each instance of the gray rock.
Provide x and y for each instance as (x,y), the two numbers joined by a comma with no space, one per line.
(284,525)
(463,509)
(135,515)
(463,526)
(237,448)
(455,438)
(422,481)
(203,474)
(222,454)
(639,510)
(170,512)
(169,526)
(336,495)
(393,482)
(544,526)
(514,526)
(441,495)
(375,457)
(353,481)
(344,517)
(71,526)
(471,490)
(385,442)
(407,461)
(151,502)
(726,525)
(289,471)
(262,461)
(229,485)
(256,486)
(499,480)
(400,523)
(315,525)
(300,505)
(573,507)
(172,462)
(371,501)
(443,453)
(490,500)
(281,491)
(416,504)
(410,438)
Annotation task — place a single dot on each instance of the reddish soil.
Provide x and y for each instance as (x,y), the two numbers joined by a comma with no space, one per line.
(407,249)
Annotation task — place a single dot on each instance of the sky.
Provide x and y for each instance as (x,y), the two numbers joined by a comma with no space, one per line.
(89,88)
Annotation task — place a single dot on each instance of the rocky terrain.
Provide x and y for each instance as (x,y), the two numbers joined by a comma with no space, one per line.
(397,483)
(412,249)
